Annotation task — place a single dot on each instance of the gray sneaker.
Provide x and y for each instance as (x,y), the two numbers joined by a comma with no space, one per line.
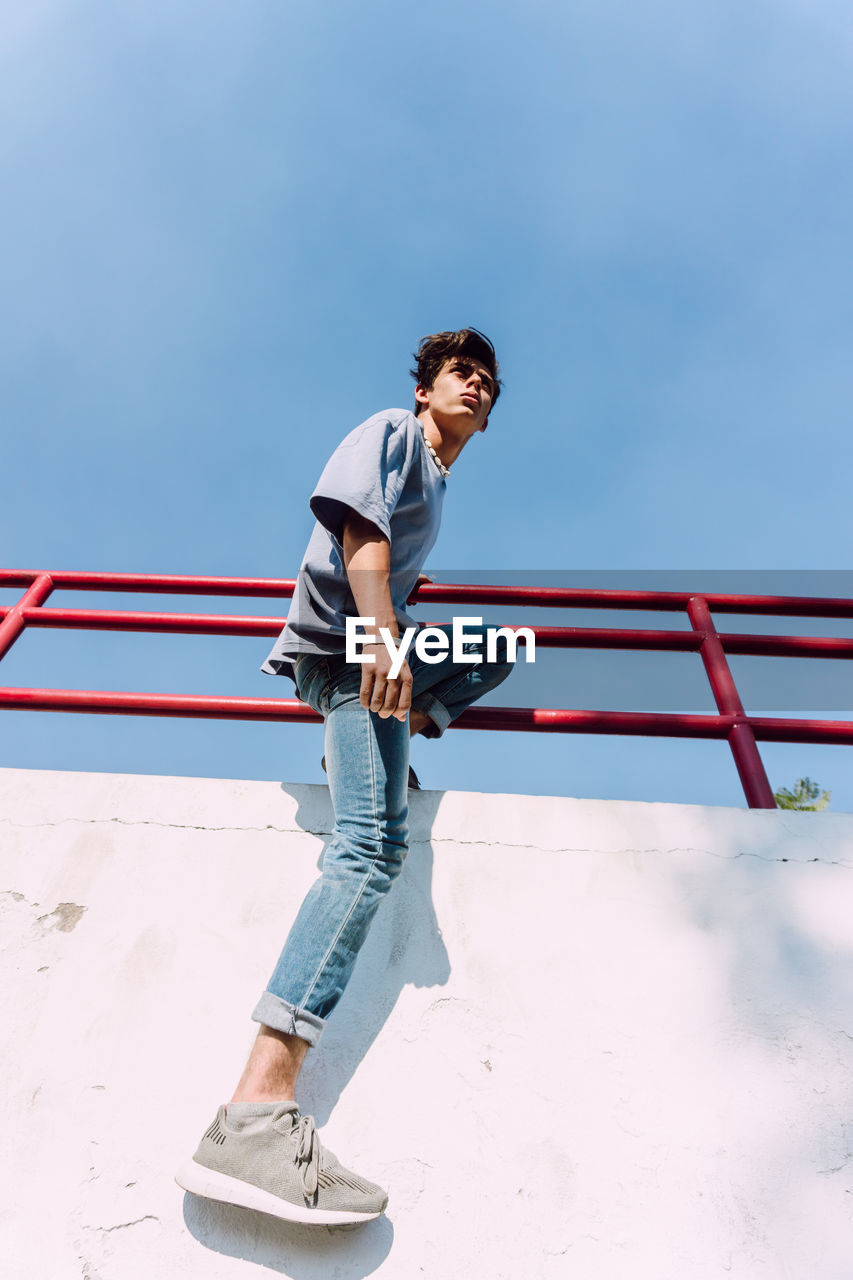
(277,1165)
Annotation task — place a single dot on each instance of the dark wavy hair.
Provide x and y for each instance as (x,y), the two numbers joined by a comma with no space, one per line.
(436,349)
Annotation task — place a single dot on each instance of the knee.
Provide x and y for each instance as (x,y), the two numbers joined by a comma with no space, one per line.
(390,855)
(375,849)
(497,667)
(494,673)
(502,670)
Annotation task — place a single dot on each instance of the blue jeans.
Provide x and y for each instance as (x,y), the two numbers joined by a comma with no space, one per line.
(367,760)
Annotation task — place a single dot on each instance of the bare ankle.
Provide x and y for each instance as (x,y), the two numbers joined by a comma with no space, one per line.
(272,1069)
(242,1095)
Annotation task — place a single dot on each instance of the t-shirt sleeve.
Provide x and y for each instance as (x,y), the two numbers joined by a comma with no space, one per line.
(365,474)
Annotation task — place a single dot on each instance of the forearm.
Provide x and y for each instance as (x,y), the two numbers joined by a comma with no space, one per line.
(367,560)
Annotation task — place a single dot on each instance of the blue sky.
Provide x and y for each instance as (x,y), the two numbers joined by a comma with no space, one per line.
(225,228)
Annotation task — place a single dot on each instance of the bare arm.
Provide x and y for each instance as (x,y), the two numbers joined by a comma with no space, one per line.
(367,560)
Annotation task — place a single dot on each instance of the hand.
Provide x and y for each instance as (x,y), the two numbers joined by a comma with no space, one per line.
(424,580)
(378,691)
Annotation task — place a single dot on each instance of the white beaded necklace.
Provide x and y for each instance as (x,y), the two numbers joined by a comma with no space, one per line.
(445,471)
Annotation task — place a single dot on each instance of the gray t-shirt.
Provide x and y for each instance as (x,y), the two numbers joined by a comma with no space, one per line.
(383,471)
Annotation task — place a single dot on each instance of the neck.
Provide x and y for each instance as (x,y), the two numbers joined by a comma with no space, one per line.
(447,446)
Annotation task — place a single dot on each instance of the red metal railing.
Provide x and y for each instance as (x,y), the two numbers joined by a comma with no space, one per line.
(741,731)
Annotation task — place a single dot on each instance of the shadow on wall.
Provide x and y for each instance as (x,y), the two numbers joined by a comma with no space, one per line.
(304,1253)
(404,947)
(776,933)
(777,927)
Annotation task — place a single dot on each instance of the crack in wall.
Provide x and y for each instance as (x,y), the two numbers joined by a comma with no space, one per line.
(121,1226)
(151,822)
(88,1271)
(323,832)
(621,852)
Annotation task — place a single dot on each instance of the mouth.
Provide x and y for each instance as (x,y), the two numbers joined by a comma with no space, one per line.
(472,399)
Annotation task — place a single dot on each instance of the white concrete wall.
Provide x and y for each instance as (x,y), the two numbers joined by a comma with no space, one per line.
(586,1039)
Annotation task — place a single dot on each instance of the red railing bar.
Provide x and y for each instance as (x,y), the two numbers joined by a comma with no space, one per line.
(201,706)
(14,619)
(714,659)
(214,624)
(565,720)
(786,646)
(205,706)
(165,584)
(689,641)
(652,724)
(667,601)
(753,776)
(551,597)
(520,719)
(827,732)
(546,637)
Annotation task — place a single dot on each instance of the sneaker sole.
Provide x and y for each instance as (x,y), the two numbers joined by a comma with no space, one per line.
(212,1185)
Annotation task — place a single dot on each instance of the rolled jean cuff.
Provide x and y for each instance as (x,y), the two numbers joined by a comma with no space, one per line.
(436,711)
(274,1012)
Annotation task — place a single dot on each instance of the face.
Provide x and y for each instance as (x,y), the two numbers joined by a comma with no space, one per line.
(461,396)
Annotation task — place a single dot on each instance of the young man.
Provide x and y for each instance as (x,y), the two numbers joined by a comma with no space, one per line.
(378,507)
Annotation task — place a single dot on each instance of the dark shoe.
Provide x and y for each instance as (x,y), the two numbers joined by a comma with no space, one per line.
(414,785)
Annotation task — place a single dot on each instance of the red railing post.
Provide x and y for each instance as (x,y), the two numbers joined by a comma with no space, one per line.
(750,766)
(14,623)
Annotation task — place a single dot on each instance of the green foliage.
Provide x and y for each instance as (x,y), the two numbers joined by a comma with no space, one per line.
(806,795)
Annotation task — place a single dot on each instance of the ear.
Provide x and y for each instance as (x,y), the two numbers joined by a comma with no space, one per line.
(421,394)
(485,424)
